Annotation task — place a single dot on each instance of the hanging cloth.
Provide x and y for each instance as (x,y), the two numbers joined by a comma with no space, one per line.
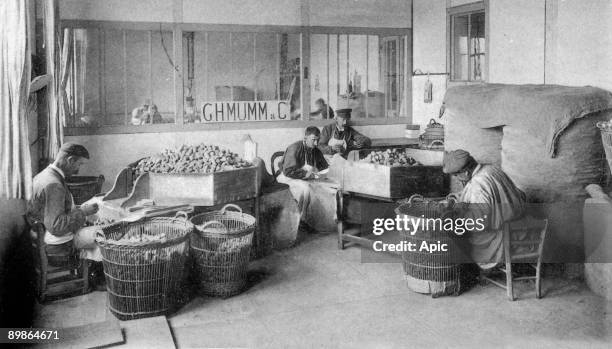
(15,70)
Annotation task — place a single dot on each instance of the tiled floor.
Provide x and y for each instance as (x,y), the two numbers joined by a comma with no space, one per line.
(317,296)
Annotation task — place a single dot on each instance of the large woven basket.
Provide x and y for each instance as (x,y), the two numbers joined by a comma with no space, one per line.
(144,262)
(221,247)
(439,267)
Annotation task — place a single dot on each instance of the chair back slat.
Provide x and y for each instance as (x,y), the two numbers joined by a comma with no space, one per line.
(524,232)
(273,165)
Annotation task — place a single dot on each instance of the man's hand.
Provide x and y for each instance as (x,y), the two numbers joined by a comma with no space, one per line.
(338,148)
(310,171)
(309,174)
(88,210)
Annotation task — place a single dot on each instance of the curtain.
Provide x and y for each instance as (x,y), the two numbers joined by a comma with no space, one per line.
(15,72)
(55,123)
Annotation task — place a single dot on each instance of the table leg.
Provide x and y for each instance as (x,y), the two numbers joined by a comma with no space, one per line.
(340,213)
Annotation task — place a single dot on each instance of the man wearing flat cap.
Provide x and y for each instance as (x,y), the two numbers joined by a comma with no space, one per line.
(52,204)
(488,193)
(340,137)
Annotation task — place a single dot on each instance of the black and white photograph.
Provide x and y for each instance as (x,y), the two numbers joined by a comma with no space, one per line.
(305,174)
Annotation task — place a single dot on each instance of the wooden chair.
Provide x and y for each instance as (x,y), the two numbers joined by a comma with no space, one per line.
(534,236)
(274,166)
(57,274)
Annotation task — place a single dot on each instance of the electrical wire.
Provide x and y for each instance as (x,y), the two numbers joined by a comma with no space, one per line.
(161,35)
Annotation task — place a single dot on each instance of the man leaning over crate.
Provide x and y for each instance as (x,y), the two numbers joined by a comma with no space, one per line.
(487,193)
(302,162)
(52,204)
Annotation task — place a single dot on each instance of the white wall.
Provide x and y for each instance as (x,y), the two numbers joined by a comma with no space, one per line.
(516,41)
(580,43)
(260,12)
(117,10)
(351,13)
(429,55)
(360,13)
(566,42)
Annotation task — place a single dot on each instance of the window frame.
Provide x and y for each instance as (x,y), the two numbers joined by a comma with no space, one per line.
(402,40)
(179,28)
(467,9)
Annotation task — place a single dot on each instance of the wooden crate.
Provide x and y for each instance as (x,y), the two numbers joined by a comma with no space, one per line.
(200,189)
(394,182)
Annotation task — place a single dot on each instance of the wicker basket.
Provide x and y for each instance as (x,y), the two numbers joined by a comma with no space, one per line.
(221,248)
(84,188)
(434,135)
(438,267)
(144,263)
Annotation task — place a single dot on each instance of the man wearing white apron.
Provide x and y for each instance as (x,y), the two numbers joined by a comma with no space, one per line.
(53,205)
(340,137)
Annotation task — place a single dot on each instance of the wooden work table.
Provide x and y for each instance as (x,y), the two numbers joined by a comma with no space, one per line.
(399,142)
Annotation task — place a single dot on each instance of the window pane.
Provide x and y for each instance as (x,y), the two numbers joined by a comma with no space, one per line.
(114,83)
(137,77)
(460,47)
(334,84)
(319,67)
(392,73)
(240,67)
(243,67)
(477,44)
(162,86)
(401,109)
(83,87)
(220,67)
(290,67)
(358,46)
(139,83)
(343,77)
(376,101)
(365,73)
(266,57)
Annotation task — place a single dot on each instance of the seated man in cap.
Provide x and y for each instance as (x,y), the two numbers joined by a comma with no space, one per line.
(489,194)
(53,205)
(301,162)
(340,137)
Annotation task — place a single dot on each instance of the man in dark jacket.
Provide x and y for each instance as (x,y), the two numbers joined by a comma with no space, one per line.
(302,161)
(52,204)
(340,137)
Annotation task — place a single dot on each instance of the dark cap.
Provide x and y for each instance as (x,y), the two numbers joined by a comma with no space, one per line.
(456,160)
(73,149)
(344,113)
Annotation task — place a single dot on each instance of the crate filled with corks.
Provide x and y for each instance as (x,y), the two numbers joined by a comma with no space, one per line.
(203,175)
(393,174)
